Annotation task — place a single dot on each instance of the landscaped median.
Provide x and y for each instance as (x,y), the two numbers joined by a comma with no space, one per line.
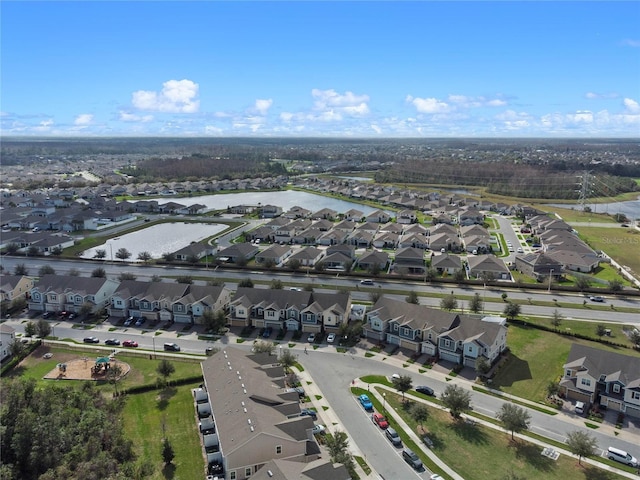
(478,449)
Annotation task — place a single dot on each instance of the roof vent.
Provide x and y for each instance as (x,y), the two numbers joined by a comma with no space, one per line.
(249,421)
(270,473)
(252,429)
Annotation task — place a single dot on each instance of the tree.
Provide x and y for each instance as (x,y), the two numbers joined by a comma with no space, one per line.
(12,248)
(269,263)
(169,257)
(86,308)
(99,273)
(123,254)
(276,284)
(476,304)
(166,369)
(581,444)
(100,253)
(556,318)
(374,296)
(30,329)
(156,278)
(482,366)
(214,322)
(515,419)
(32,251)
(43,329)
(430,275)
(600,330)
(459,275)
(144,256)
(20,269)
(420,413)
(246,282)
(56,251)
(16,347)
(74,272)
(615,285)
(634,336)
(449,302)
(167,451)
(126,276)
(186,279)
(113,375)
(46,270)
(456,399)
(264,347)
(582,283)
(294,264)
(287,360)
(338,447)
(552,389)
(412,298)
(511,310)
(319,267)
(403,383)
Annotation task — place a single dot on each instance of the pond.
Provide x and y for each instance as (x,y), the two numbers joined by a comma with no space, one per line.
(157,240)
(285,199)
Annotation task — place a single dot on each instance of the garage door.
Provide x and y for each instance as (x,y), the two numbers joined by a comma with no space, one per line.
(633,411)
(449,357)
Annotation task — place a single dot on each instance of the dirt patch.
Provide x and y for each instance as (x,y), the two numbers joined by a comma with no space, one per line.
(84,368)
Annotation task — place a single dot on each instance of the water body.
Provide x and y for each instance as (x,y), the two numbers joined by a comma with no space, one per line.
(285,199)
(157,240)
(631,208)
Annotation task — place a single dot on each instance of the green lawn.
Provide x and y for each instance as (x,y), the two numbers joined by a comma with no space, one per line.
(474,451)
(621,244)
(150,416)
(536,358)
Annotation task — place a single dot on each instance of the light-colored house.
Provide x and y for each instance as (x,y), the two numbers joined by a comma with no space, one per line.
(199,300)
(316,470)
(151,300)
(13,287)
(592,375)
(268,307)
(410,261)
(275,253)
(194,250)
(307,256)
(256,419)
(7,337)
(446,263)
(487,267)
(240,252)
(58,293)
(472,339)
(374,259)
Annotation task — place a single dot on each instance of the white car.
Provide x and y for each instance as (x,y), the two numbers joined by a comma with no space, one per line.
(311,338)
(318,429)
(331,338)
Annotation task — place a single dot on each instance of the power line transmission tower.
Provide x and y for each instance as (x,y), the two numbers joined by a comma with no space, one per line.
(585,189)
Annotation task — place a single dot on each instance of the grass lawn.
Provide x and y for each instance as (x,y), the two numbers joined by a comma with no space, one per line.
(621,244)
(577,215)
(149,416)
(536,358)
(474,451)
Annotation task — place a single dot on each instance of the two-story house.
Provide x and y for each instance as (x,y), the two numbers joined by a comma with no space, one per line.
(13,287)
(58,293)
(596,376)
(151,300)
(267,307)
(327,311)
(473,338)
(200,299)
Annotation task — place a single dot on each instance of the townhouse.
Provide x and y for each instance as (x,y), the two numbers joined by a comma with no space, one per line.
(66,293)
(600,377)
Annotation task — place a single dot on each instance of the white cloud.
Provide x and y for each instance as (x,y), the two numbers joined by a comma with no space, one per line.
(376,129)
(132,117)
(83,119)
(428,105)
(595,95)
(177,96)
(348,103)
(262,106)
(631,105)
(631,43)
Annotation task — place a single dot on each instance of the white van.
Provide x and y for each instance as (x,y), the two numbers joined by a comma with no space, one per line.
(580,408)
(622,457)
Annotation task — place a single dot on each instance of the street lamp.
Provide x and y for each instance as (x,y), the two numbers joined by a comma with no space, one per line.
(153,340)
(384,402)
(550,277)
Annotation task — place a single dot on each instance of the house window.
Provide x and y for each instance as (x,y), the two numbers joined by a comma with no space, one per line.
(247,472)
(616,388)
(470,349)
(568,374)
(395,327)
(585,381)
(278,449)
(635,395)
(232,475)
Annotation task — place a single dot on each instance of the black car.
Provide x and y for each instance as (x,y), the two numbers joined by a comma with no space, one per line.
(172,347)
(267,332)
(426,390)
(46,314)
(91,340)
(307,411)
(112,341)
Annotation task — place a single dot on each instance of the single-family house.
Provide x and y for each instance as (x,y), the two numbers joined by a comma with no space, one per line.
(238,253)
(410,261)
(446,263)
(7,337)
(13,287)
(487,267)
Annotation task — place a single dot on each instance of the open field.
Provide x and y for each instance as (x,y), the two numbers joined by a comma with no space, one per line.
(621,244)
(475,451)
(536,358)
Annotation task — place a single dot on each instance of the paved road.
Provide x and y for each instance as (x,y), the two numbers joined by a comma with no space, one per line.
(333,374)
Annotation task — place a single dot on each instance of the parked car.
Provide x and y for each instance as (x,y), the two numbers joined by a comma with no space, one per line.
(427,441)
(307,411)
(379,420)
(412,459)
(267,332)
(622,457)
(129,343)
(580,408)
(128,321)
(46,314)
(393,437)
(318,429)
(426,390)
(365,401)
(299,390)
(91,340)
(311,338)
(71,316)
(171,347)
(112,341)
(140,321)
(331,338)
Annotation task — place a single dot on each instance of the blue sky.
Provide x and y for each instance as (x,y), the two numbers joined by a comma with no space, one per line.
(353,69)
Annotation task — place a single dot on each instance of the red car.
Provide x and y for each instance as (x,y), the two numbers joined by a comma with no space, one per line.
(379,420)
(129,343)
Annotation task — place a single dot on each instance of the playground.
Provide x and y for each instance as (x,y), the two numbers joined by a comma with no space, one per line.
(87,368)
